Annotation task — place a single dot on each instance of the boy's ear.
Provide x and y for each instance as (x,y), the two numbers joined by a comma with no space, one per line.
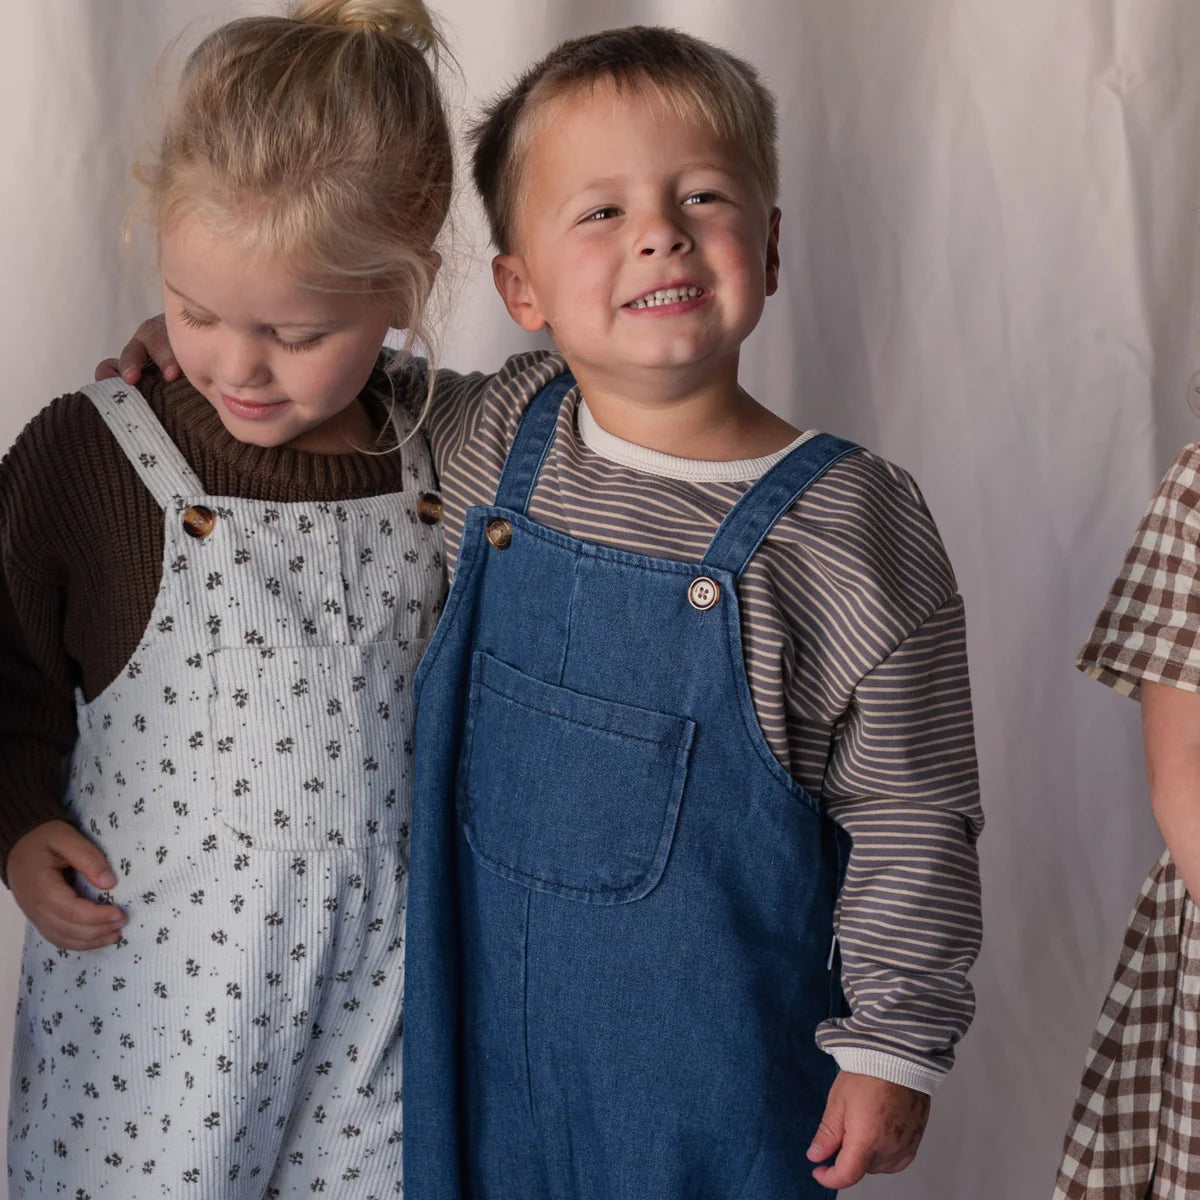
(773,254)
(511,279)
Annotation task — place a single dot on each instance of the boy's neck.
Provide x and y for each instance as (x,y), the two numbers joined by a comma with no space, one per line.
(717,421)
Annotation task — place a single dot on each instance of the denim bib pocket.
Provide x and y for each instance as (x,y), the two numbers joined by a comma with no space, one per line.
(567,793)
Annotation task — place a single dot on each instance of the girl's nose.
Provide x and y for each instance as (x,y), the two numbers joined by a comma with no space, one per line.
(243,364)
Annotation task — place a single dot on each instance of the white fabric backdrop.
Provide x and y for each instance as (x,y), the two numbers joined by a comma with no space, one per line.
(990,268)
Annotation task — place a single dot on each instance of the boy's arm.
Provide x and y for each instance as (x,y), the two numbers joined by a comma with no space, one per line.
(903,783)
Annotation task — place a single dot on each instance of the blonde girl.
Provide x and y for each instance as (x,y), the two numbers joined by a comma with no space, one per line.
(213,597)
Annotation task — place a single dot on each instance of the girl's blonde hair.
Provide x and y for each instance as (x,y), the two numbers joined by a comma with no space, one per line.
(319,137)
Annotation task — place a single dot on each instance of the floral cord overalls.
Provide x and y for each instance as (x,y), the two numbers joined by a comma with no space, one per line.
(621,911)
(248,775)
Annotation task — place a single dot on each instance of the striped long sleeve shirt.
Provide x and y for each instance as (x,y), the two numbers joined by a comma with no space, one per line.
(855,650)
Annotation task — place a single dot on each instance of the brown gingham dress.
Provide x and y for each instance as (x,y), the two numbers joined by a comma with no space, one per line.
(1135,1129)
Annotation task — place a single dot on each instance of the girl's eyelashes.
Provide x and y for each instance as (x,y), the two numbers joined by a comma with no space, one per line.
(295,347)
(191,319)
(292,347)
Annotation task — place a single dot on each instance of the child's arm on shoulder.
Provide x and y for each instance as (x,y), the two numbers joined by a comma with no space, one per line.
(38,867)
(450,407)
(1171,733)
(148,344)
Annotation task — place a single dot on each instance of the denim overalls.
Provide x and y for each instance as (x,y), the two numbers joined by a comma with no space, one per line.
(621,905)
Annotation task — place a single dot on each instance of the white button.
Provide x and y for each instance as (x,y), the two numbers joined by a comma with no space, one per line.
(703,593)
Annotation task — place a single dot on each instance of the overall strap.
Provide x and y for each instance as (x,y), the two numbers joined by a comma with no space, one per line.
(768,498)
(156,459)
(532,444)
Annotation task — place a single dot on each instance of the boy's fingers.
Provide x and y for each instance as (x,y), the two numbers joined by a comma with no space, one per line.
(849,1167)
(107,368)
(151,338)
(133,358)
(827,1139)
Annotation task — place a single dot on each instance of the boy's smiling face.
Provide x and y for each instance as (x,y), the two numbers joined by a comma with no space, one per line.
(644,243)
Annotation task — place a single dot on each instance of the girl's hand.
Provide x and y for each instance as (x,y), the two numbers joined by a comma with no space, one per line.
(149,342)
(874,1127)
(37,866)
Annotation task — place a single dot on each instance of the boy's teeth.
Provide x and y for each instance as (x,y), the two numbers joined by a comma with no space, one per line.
(667,296)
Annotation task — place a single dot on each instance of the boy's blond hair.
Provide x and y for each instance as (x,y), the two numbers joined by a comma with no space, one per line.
(696,79)
(319,138)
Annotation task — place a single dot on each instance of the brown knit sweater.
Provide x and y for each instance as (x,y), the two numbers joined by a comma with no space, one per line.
(81,544)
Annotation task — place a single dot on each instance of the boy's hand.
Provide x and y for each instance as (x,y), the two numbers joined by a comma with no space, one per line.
(36,866)
(874,1127)
(148,342)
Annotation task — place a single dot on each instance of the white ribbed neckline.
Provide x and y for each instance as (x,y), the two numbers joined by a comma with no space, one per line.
(668,466)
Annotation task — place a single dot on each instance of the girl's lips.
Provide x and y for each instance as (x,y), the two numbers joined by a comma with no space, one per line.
(250,410)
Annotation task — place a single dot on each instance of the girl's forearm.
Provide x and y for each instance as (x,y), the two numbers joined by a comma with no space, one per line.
(1171,731)
(1175,801)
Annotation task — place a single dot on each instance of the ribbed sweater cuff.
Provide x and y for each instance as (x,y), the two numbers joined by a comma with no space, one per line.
(887,1066)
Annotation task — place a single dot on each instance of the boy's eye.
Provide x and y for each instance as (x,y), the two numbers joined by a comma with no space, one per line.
(603,214)
(701,198)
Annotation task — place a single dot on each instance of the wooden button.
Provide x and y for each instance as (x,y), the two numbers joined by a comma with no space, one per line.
(198,521)
(429,507)
(703,593)
(499,533)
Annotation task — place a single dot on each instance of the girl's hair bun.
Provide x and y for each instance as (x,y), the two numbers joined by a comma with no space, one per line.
(406,19)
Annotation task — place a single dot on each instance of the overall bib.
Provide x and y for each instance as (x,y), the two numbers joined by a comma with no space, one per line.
(248,775)
(620,924)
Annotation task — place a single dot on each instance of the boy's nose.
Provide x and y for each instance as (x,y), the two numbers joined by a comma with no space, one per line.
(661,235)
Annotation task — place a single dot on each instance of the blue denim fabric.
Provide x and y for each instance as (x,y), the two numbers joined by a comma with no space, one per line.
(620,907)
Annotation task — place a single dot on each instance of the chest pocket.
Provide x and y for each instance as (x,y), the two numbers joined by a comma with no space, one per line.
(567,793)
(310,744)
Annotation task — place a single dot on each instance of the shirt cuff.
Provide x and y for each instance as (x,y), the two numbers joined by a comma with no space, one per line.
(887,1066)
